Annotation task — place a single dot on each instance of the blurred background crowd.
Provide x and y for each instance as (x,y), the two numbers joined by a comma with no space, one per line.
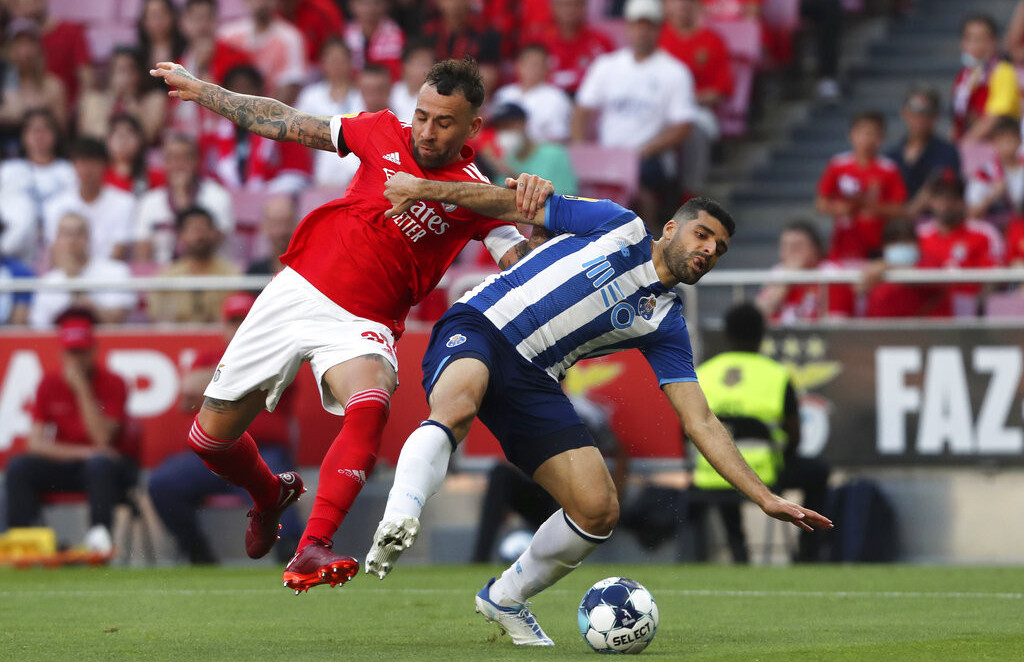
(646,101)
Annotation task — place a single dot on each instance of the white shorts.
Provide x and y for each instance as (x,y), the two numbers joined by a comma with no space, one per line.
(292,322)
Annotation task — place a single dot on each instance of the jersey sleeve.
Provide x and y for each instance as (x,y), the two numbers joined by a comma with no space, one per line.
(566,213)
(895,190)
(828,185)
(353,131)
(669,353)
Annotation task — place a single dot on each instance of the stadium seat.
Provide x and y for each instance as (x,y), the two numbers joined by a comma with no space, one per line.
(104,38)
(614,28)
(91,13)
(732,115)
(228,10)
(742,38)
(781,15)
(606,172)
(246,242)
(1010,304)
(313,197)
(973,155)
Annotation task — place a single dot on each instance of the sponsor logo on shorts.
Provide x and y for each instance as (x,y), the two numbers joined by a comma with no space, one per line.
(455,340)
(646,307)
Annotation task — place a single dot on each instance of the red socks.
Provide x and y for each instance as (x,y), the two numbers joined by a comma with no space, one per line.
(239,463)
(348,462)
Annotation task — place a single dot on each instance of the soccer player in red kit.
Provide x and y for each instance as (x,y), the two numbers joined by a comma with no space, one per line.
(351,276)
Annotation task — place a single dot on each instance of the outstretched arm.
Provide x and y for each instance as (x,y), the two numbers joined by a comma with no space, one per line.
(403,190)
(713,441)
(263,116)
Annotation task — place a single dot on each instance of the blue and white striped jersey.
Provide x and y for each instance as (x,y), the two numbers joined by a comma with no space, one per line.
(588,293)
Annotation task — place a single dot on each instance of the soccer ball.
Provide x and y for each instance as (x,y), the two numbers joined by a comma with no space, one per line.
(618,615)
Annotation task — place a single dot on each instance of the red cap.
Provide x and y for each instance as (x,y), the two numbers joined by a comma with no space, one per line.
(76,333)
(237,305)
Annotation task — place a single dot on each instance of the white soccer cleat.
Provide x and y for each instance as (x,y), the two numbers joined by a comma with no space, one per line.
(518,621)
(393,537)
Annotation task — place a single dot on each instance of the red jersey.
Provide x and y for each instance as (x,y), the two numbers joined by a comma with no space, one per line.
(56,405)
(66,50)
(570,57)
(706,56)
(803,300)
(859,234)
(377,267)
(972,244)
(1015,241)
(260,162)
(317,20)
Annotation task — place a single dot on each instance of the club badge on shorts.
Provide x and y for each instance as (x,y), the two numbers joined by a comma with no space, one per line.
(455,340)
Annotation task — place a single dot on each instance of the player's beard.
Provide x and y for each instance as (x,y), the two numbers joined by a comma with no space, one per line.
(433,160)
(683,267)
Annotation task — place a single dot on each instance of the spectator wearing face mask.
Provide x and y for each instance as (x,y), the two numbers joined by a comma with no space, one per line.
(513,151)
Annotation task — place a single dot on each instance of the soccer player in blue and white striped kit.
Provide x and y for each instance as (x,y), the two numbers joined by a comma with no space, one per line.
(602,285)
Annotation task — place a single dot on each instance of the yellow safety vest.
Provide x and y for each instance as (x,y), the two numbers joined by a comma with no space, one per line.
(746,385)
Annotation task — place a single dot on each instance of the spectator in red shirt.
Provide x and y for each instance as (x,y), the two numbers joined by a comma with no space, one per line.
(65,46)
(181,483)
(243,160)
(572,44)
(801,249)
(952,240)
(883,299)
(684,35)
(1015,242)
(374,38)
(317,20)
(986,86)
(458,31)
(861,190)
(77,442)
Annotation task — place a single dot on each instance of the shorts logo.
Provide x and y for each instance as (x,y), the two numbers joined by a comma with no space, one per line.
(455,340)
(216,374)
(646,307)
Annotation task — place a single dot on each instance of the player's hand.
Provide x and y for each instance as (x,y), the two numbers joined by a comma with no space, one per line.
(787,511)
(531,192)
(402,191)
(184,85)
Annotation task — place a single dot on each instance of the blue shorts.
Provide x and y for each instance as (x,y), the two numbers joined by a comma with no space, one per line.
(523,407)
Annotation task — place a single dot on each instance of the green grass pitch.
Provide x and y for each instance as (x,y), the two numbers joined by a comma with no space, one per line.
(821,613)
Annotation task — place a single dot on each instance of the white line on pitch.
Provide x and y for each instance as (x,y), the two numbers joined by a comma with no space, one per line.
(703,593)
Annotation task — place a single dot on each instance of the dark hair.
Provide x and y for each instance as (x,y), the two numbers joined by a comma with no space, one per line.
(691,209)
(463,76)
(929,92)
(899,230)
(193,3)
(744,326)
(194,210)
(808,229)
(178,42)
(51,120)
(869,116)
(984,19)
(243,71)
(77,313)
(88,148)
(535,46)
(415,45)
(948,183)
(335,40)
(376,69)
(1005,124)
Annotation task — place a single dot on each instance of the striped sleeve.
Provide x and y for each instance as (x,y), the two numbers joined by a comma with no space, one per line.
(566,213)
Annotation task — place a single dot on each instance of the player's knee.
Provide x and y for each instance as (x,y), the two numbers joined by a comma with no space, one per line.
(456,412)
(598,516)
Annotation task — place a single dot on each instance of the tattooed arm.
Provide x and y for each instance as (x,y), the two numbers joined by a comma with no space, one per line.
(263,116)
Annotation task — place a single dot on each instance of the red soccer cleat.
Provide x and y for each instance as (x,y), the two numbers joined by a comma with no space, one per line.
(316,564)
(261,534)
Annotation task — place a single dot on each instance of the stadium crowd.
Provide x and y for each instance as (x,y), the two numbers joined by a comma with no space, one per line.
(103,175)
